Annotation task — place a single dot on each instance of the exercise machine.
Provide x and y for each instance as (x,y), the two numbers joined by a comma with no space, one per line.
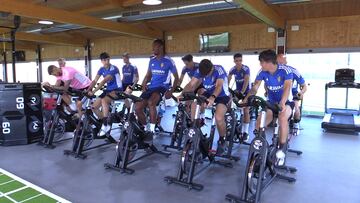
(261,169)
(344,119)
(131,140)
(197,149)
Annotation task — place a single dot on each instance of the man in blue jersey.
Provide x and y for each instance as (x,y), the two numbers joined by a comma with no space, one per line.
(159,75)
(111,76)
(242,77)
(298,80)
(129,72)
(214,79)
(190,68)
(278,81)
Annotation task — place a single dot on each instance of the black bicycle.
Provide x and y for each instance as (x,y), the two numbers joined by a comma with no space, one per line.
(197,149)
(87,130)
(181,123)
(57,122)
(131,140)
(261,169)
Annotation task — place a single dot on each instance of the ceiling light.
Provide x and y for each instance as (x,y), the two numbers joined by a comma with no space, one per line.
(45,22)
(152,2)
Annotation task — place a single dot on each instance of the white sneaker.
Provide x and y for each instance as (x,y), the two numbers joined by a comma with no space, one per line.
(104,129)
(280,158)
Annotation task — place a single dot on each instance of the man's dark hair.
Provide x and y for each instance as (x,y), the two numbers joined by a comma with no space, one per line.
(205,67)
(104,56)
(187,57)
(159,41)
(51,68)
(268,56)
(237,55)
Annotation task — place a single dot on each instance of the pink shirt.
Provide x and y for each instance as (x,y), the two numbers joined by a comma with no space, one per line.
(78,80)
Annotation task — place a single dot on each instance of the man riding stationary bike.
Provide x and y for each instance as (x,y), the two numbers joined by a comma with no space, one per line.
(278,81)
(159,75)
(214,79)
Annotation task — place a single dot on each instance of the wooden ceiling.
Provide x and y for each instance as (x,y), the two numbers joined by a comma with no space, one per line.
(87,13)
(318,9)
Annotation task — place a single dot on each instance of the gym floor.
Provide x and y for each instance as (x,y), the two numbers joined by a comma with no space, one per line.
(328,171)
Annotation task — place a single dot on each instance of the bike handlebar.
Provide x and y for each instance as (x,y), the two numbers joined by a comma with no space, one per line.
(187,96)
(260,102)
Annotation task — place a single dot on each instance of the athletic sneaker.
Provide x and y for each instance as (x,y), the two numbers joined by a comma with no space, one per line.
(148,137)
(280,158)
(244,137)
(104,129)
(221,147)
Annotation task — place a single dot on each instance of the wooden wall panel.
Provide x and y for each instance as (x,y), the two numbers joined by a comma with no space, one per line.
(117,46)
(333,32)
(242,37)
(50,52)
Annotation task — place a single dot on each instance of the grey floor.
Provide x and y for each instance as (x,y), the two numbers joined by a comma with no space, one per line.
(328,171)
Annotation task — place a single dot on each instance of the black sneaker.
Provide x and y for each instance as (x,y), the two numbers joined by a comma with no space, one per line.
(148,137)
(221,147)
(244,137)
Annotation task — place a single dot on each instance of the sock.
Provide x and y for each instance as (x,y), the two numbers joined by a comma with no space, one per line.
(296,125)
(282,147)
(66,110)
(152,127)
(202,115)
(73,106)
(245,128)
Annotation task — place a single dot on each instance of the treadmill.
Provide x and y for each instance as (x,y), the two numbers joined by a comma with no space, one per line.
(342,119)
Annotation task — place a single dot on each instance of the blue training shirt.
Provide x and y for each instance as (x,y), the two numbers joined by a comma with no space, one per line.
(190,72)
(129,72)
(274,83)
(161,70)
(297,80)
(115,82)
(209,82)
(240,77)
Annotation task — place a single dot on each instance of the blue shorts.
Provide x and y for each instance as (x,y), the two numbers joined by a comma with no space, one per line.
(160,90)
(219,100)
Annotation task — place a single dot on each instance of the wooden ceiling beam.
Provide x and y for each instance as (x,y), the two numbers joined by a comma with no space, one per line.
(51,39)
(62,16)
(263,12)
(128,3)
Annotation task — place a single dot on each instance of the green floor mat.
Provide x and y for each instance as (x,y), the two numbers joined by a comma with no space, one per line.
(41,199)
(10,186)
(24,194)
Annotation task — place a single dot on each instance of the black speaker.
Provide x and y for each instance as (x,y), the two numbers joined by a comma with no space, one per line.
(344,75)
(20,56)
